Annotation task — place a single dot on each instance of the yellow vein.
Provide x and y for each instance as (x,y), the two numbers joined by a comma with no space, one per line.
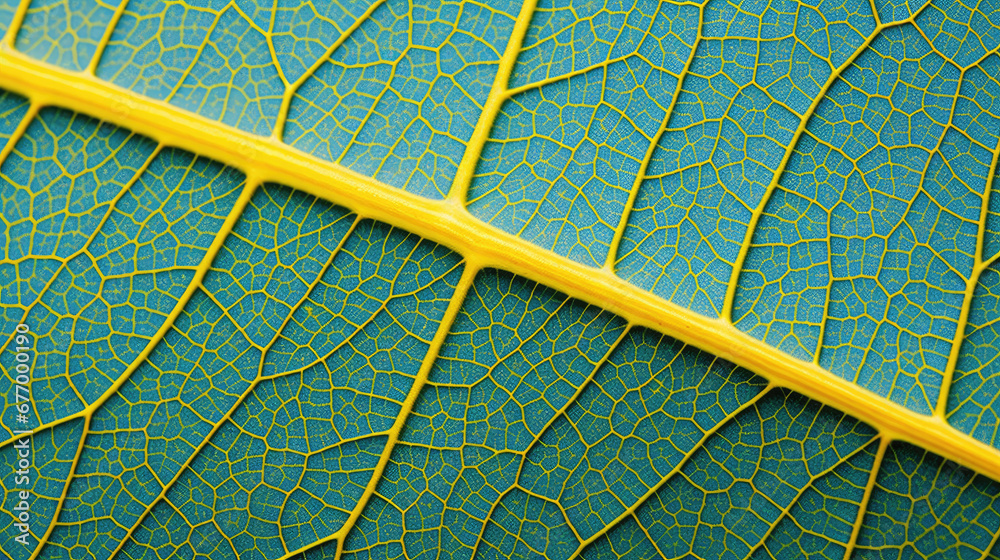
(84,250)
(610,259)
(458,297)
(821,335)
(987,552)
(903,223)
(199,274)
(44,539)
(236,405)
(102,45)
(286,98)
(269,37)
(941,409)
(357,330)
(652,541)
(196,56)
(19,130)
(561,77)
(863,508)
(666,478)
(491,108)
(449,223)
(727,308)
(786,512)
(15,25)
(88,412)
(537,438)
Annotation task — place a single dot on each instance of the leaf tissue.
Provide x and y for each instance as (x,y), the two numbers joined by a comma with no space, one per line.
(442,280)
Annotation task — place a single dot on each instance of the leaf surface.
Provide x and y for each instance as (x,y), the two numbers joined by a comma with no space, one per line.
(455,280)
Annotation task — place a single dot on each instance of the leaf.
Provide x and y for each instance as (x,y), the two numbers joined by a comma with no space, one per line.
(455,280)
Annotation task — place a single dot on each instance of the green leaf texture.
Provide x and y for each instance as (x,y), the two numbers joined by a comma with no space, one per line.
(433,280)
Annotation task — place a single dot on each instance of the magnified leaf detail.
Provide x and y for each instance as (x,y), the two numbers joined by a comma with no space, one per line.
(460,280)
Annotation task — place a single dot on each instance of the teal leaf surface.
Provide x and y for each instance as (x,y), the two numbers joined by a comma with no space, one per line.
(207,359)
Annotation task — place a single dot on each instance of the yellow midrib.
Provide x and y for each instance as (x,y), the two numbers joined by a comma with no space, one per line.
(449,223)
